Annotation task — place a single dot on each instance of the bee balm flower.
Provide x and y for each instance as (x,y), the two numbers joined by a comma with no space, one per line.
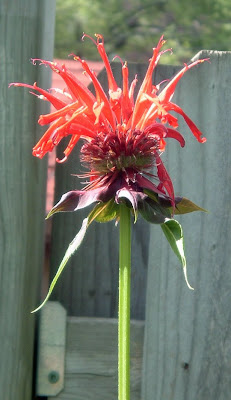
(123,139)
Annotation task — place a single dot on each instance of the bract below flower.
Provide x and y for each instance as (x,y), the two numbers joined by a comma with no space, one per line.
(123,138)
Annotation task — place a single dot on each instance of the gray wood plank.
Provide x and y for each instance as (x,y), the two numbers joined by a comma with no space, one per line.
(89,285)
(51,350)
(91,359)
(187,353)
(23,25)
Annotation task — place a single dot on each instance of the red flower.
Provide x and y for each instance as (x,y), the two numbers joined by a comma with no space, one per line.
(123,137)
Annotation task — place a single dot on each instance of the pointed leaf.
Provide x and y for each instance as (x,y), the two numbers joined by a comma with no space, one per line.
(68,202)
(104,212)
(151,194)
(77,199)
(174,234)
(73,246)
(151,213)
(159,208)
(184,206)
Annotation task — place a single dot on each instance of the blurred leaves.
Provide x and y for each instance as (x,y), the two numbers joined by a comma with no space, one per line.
(132,27)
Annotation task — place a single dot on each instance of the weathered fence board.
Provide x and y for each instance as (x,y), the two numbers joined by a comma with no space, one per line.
(89,285)
(90,357)
(22,181)
(51,350)
(187,352)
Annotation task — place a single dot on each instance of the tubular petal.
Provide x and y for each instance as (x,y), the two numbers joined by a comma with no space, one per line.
(39,150)
(196,132)
(167,93)
(111,80)
(165,179)
(48,118)
(146,86)
(145,183)
(171,133)
(57,103)
(76,88)
(100,94)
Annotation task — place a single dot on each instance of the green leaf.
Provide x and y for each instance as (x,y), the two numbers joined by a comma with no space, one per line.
(174,234)
(152,195)
(185,206)
(104,212)
(152,212)
(73,246)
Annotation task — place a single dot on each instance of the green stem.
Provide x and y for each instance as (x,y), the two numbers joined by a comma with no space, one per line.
(124,304)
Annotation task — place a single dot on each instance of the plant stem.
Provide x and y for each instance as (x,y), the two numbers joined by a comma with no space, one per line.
(124,304)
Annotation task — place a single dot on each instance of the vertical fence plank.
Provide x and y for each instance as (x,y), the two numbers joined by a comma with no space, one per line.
(188,338)
(22,181)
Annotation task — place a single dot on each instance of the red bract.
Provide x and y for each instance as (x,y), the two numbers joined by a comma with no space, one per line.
(123,137)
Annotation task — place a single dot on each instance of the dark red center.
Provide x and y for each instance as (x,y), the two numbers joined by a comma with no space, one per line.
(119,151)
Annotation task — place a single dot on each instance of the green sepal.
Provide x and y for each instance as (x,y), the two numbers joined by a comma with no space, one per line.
(185,206)
(104,212)
(174,234)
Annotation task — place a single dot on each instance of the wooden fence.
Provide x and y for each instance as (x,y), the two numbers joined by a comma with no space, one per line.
(25,26)
(181,340)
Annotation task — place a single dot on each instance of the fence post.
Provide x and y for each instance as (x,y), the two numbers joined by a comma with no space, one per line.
(187,335)
(26,30)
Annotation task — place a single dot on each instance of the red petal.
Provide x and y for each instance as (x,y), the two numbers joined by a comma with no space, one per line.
(127,106)
(100,94)
(111,80)
(171,133)
(146,86)
(48,118)
(57,103)
(165,179)
(46,144)
(145,183)
(169,90)
(196,132)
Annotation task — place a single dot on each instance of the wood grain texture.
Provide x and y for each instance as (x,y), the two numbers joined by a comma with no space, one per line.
(187,353)
(22,182)
(89,285)
(91,359)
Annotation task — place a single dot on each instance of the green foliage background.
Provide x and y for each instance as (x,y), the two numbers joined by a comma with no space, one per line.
(131,28)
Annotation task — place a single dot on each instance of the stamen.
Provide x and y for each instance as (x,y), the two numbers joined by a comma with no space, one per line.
(62,160)
(89,37)
(99,37)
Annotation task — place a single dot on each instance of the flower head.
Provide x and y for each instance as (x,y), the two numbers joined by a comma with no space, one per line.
(123,138)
